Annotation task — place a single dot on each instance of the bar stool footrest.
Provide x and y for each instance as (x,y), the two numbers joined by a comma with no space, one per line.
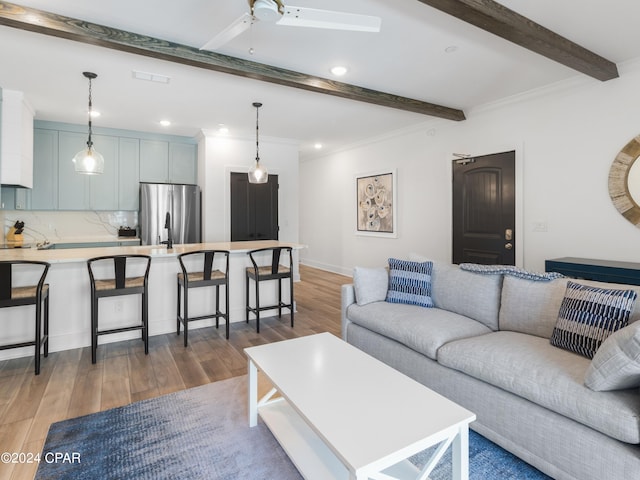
(121,329)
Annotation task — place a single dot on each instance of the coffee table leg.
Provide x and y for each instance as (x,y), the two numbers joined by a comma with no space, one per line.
(460,454)
(253,394)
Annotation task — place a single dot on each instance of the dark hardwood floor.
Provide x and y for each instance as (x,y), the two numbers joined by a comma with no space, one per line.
(69,385)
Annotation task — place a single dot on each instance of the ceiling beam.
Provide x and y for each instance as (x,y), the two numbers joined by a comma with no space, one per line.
(503,22)
(78,30)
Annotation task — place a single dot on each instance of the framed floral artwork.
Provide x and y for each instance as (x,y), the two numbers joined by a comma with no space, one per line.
(376,204)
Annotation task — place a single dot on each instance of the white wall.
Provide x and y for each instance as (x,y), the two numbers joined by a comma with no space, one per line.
(565,137)
(220,155)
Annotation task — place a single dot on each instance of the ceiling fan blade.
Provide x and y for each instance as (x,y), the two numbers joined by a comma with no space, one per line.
(232,31)
(311,17)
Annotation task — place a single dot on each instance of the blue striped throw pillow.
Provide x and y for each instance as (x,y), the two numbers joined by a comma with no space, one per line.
(588,315)
(410,282)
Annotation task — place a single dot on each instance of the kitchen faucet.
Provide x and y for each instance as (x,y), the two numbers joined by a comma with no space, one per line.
(167,224)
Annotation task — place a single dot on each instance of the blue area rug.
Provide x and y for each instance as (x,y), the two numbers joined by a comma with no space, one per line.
(203,433)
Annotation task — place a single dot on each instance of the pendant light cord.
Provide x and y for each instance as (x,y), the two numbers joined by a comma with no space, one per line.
(89,141)
(257,105)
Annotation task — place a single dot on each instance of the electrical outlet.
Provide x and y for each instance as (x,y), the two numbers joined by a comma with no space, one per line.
(539,226)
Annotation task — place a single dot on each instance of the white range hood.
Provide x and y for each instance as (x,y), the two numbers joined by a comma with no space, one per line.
(16,139)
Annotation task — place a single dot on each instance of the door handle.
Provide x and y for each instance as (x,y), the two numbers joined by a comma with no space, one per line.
(508,246)
(508,234)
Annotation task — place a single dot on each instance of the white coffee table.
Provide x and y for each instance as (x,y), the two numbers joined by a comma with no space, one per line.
(344,414)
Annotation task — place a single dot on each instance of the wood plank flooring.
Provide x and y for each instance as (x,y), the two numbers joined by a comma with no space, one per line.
(69,385)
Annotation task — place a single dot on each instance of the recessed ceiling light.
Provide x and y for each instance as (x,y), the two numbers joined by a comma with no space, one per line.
(165,123)
(339,70)
(317,146)
(451,49)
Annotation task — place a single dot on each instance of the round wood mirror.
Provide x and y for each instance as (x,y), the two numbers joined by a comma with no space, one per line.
(624,181)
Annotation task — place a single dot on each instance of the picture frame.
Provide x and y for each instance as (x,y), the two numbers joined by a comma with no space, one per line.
(376,204)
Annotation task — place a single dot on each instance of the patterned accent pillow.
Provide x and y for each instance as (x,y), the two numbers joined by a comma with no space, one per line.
(588,315)
(410,282)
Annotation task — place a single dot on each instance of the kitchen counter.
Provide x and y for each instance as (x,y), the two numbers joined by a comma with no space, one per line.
(69,296)
(65,255)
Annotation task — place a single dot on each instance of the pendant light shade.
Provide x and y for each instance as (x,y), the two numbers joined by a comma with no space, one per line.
(258,173)
(88,161)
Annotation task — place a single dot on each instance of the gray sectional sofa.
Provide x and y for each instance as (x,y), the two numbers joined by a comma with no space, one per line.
(485,345)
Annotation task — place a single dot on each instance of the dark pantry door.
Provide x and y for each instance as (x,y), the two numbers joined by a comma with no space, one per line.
(254,209)
(484,209)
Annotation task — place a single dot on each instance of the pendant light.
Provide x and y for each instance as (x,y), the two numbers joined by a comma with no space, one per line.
(88,161)
(258,173)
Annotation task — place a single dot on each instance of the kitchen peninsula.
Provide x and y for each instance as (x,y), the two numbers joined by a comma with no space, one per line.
(70,293)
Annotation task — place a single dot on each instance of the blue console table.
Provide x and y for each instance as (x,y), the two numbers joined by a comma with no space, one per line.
(599,270)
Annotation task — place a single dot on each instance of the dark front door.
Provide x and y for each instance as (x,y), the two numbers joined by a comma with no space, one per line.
(254,209)
(484,209)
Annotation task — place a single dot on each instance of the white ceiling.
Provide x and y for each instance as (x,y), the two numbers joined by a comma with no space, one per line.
(407,58)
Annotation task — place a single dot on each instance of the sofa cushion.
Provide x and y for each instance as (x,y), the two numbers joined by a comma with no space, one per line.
(470,294)
(410,282)
(616,364)
(530,367)
(588,315)
(370,284)
(421,329)
(531,307)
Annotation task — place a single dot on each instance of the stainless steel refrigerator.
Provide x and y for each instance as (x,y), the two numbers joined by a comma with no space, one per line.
(169,208)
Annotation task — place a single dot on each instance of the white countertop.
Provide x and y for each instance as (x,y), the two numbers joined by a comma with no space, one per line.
(68,255)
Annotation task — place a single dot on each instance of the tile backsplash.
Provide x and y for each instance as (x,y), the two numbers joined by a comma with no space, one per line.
(57,226)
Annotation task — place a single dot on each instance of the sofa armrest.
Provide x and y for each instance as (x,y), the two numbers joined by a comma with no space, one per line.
(348,295)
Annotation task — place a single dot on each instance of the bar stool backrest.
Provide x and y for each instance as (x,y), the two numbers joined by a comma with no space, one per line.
(190,262)
(119,269)
(17,278)
(276,253)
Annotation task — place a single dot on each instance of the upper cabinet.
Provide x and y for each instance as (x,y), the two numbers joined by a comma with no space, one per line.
(183,163)
(129,173)
(168,162)
(16,139)
(130,158)
(44,195)
(154,161)
(87,192)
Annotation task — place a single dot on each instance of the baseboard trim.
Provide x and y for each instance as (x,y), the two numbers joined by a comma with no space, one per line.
(327,267)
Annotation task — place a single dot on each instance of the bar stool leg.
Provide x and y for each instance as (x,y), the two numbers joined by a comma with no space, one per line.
(145,321)
(279,298)
(226,307)
(217,306)
(291,308)
(46,325)
(246,290)
(257,306)
(186,315)
(94,327)
(178,310)
(38,333)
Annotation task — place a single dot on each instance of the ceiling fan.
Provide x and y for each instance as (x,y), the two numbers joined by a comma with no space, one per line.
(275,11)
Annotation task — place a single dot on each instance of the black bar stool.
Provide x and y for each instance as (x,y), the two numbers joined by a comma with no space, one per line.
(273,271)
(119,284)
(203,276)
(15,296)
